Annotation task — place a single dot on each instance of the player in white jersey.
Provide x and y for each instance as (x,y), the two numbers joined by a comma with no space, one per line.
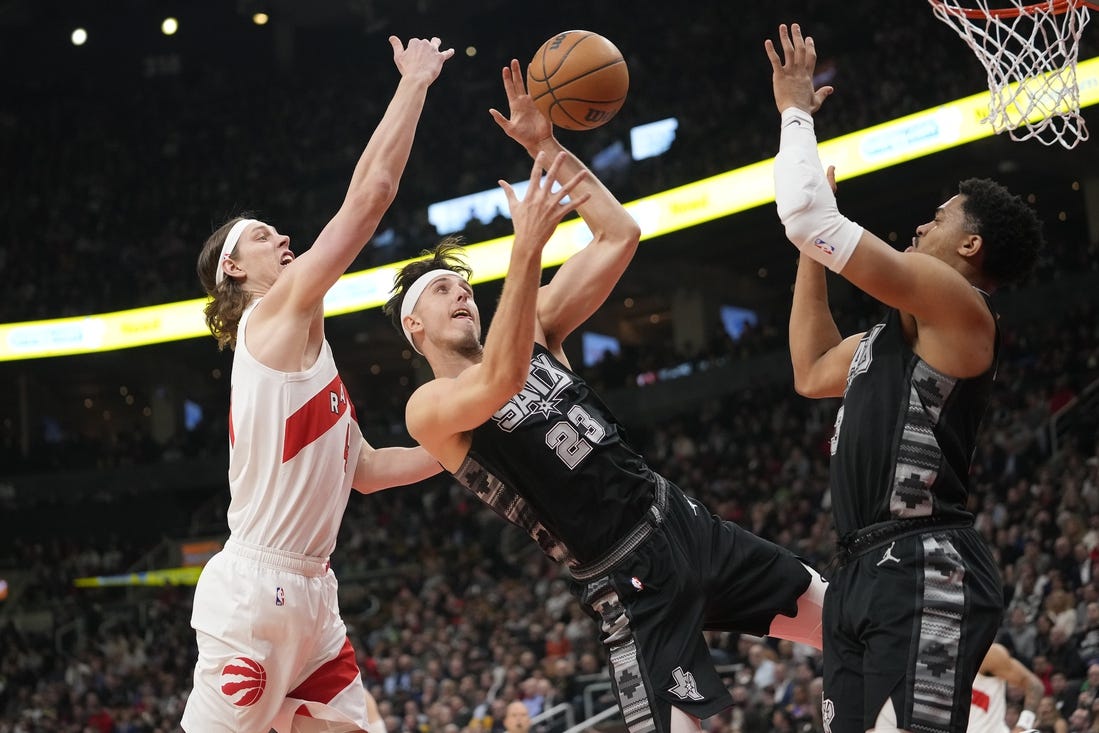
(988,711)
(273,651)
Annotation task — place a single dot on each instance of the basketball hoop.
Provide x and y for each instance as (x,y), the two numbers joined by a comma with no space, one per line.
(1029,52)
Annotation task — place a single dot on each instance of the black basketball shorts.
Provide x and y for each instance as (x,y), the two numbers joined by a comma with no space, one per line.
(693,572)
(909,621)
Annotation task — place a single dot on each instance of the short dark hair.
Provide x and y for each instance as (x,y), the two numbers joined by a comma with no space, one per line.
(447,255)
(1010,228)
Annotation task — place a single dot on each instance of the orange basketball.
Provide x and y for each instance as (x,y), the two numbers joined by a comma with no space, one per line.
(578,79)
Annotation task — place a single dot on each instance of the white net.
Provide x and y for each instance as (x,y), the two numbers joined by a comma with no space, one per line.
(1029,52)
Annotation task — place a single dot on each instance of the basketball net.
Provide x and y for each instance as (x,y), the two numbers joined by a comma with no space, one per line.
(1029,53)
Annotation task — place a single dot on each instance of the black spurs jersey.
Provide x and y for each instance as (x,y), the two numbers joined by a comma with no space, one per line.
(554,462)
(904,435)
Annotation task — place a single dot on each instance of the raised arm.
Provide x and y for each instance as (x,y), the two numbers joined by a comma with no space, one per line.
(585,280)
(444,409)
(998,662)
(821,357)
(373,183)
(949,311)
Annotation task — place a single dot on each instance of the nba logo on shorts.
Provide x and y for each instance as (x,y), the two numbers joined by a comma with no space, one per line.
(242,681)
(280,597)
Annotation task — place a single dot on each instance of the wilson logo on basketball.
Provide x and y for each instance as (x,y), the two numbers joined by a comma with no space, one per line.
(242,681)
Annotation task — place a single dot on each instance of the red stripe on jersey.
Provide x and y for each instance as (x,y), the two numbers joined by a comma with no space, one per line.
(981,700)
(330,679)
(232,433)
(314,418)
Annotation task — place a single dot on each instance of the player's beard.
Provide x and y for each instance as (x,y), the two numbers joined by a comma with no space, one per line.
(468,345)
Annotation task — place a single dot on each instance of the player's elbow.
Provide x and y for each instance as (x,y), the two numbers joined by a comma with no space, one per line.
(799,230)
(512,384)
(807,384)
(621,236)
(803,387)
(630,234)
(363,480)
(801,218)
(373,195)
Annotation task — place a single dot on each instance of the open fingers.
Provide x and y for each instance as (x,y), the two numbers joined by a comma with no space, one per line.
(517,79)
(772,55)
(574,203)
(499,117)
(554,166)
(569,185)
(509,193)
(787,45)
(536,170)
(514,85)
(396,44)
(799,45)
(509,83)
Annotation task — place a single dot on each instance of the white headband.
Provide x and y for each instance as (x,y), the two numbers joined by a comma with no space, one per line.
(412,296)
(230,244)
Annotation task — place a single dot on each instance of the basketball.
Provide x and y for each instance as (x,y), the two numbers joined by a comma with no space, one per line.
(578,79)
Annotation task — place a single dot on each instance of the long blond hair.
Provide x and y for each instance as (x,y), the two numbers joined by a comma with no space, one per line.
(228,299)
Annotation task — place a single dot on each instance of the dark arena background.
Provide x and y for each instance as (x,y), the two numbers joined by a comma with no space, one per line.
(120,156)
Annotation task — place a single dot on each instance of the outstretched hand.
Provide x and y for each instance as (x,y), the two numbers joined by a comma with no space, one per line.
(539,212)
(525,125)
(792,75)
(421,58)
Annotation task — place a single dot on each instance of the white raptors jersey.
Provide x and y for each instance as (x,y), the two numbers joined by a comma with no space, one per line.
(989,707)
(293,446)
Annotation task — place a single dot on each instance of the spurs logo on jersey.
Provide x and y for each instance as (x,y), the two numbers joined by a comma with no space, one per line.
(685,687)
(860,362)
(864,354)
(828,714)
(540,394)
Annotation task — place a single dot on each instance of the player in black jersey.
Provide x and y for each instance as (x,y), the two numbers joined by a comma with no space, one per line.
(527,435)
(916,599)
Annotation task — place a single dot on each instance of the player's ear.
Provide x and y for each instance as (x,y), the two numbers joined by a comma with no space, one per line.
(971,246)
(412,323)
(230,267)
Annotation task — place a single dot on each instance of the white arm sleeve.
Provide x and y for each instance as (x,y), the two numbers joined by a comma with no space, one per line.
(805,202)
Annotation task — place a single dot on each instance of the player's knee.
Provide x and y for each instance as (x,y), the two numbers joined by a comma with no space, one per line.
(807,626)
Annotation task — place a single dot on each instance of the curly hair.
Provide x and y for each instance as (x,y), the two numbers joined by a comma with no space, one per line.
(447,255)
(228,299)
(1011,231)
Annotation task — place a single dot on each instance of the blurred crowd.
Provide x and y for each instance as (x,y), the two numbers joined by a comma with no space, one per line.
(114,200)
